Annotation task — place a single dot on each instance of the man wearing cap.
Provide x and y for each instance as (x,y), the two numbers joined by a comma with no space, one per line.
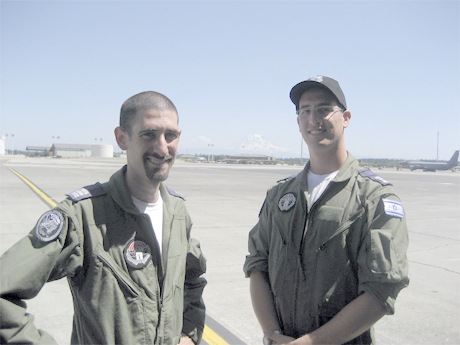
(327,257)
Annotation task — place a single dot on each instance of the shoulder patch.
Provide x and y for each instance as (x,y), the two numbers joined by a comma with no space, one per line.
(174,193)
(286,179)
(366,172)
(87,192)
(49,226)
(393,208)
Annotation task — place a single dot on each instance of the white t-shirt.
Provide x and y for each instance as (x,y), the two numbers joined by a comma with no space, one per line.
(317,184)
(155,213)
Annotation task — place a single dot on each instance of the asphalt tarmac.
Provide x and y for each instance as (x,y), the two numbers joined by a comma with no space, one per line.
(224,201)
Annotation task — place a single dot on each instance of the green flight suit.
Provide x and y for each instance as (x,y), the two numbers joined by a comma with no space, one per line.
(124,291)
(320,257)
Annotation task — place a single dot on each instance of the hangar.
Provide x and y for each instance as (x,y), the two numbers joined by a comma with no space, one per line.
(81,151)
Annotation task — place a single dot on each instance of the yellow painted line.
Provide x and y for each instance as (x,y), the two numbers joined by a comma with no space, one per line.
(51,203)
(211,337)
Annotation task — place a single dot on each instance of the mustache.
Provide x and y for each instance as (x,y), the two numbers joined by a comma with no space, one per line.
(155,155)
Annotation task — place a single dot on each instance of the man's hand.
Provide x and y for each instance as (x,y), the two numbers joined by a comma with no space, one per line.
(305,340)
(279,339)
(355,318)
(186,341)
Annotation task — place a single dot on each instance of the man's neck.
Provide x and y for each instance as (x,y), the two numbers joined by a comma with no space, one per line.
(325,163)
(142,189)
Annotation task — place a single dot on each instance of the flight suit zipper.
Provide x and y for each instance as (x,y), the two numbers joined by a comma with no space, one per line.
(158,261)
(342,228)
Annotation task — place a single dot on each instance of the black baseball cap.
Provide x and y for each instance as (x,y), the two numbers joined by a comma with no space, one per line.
(322,82)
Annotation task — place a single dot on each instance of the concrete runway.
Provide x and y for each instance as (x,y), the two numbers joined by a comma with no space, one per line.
(224,201)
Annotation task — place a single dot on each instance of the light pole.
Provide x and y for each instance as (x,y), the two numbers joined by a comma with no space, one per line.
(6,143)
(211,146)
(437,147)
(301,149)
(57,137)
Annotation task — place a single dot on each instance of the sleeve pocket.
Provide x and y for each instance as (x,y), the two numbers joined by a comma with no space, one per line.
(382,252)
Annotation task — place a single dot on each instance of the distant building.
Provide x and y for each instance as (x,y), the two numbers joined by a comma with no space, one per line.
(101,150)
(2,146)
(249,159)
(193,158)
(70,150)
(81,151)
(33,151)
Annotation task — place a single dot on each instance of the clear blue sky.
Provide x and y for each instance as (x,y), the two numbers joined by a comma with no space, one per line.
(67,66)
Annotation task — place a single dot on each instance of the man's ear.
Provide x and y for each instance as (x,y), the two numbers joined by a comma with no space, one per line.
(122,138)
(346,118)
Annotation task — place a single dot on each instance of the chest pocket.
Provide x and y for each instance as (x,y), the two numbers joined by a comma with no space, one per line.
(123,279)
(178,240)
(328,218)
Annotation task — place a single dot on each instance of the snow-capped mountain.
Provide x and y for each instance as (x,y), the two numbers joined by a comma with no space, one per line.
(257,144)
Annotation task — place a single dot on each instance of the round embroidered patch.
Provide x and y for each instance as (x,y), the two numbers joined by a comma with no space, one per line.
(137,254)
(49,226)
(287,202)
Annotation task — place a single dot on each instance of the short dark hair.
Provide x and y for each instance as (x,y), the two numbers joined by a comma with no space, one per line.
(143,101)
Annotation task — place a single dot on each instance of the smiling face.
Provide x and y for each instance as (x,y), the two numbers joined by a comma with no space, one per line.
(151,146)
(323,131)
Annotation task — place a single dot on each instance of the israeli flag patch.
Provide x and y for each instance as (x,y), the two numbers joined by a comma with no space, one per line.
(393,208)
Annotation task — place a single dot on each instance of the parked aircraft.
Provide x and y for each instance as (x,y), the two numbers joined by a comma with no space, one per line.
(433,165)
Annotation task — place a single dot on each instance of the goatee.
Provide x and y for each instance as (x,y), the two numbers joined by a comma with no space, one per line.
(158,174)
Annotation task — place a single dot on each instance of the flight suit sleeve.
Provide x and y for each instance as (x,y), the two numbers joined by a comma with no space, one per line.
(52,250)
(194,308)
(382,260)
(258,244)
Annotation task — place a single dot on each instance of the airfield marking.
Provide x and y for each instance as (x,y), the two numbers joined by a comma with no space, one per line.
(209,336)
(48,200)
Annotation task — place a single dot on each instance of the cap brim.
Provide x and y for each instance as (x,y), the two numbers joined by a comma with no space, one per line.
(300,88)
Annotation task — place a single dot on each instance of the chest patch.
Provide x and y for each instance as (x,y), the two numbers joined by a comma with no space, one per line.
(393,208)
(286,202)
(137,254)
(49,226)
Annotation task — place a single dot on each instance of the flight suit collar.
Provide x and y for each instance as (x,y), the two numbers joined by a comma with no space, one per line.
(122,196)
(344,174)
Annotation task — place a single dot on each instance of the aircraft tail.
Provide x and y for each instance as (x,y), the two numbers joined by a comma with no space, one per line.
(454,159)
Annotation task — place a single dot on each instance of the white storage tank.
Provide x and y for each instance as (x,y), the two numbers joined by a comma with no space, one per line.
(2,146)
(102,150)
